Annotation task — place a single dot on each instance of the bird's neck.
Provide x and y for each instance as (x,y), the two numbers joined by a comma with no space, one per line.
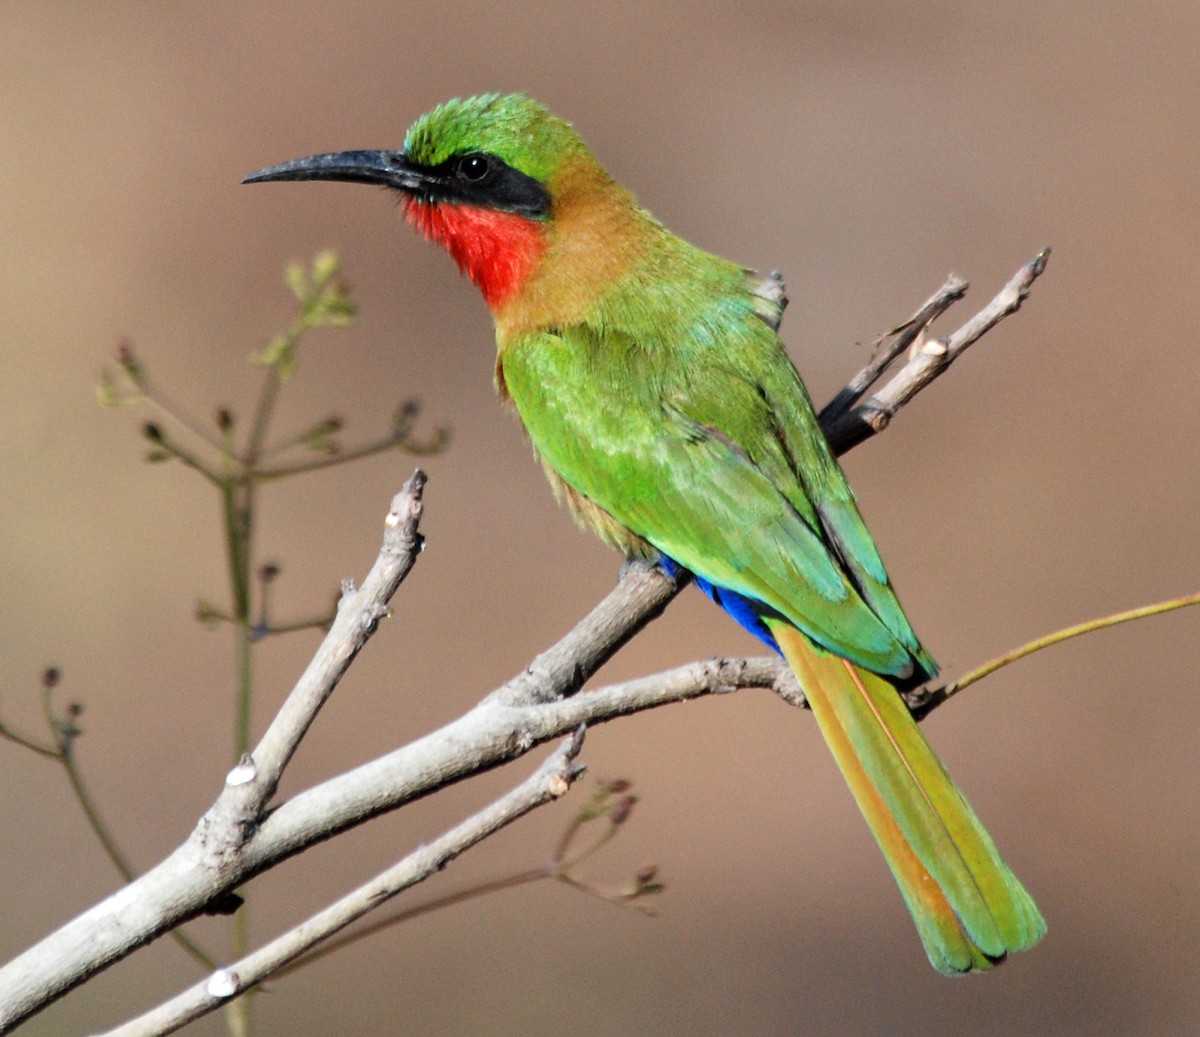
(598,234)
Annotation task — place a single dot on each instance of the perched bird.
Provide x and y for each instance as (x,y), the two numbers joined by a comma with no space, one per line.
(662,404)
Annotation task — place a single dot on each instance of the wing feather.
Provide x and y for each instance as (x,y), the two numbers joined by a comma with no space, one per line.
(692,458)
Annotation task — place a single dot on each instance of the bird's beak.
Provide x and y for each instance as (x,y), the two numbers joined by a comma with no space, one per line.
(390,168)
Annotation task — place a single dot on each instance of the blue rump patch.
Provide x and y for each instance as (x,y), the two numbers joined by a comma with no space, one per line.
(746,611)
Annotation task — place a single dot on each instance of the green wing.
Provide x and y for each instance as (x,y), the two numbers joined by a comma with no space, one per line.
(716,459)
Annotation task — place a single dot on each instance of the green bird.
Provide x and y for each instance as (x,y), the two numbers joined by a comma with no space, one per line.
(666,412)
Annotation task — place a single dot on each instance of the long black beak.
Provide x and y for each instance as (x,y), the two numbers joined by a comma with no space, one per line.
(389,168)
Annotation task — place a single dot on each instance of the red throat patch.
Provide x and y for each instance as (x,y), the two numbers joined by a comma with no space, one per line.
(496,250)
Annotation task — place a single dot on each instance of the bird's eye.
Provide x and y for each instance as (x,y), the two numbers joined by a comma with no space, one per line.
(473,168)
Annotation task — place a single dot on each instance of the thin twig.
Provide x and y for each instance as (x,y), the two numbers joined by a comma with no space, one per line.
(358,615)
(609,805)
(936,696)
(891,345)
(182,454)
(176,415)
(417,448)
(27,743)
(294,625)
(338,943)
(929,362)
(640,596)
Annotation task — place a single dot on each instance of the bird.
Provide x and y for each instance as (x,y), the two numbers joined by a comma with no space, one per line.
(656,392)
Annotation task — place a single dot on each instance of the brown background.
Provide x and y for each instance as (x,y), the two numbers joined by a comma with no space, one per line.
(864,149)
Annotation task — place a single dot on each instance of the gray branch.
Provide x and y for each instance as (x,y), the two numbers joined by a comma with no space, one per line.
(239,838)
(550,781)
(928,357)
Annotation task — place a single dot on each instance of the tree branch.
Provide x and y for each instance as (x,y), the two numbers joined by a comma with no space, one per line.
(928,360)
(358,615)
(205,868)
(549,782)
(890,345)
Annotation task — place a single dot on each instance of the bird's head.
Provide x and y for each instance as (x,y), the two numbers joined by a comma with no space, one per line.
(479,175)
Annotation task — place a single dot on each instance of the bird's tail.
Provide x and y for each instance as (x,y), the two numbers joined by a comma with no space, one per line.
(969,908)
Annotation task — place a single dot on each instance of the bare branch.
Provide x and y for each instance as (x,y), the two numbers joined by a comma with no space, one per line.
(358,616)
(204,868)
(252,783)
(549,782)
(640,596)
(847,430)
(890,345)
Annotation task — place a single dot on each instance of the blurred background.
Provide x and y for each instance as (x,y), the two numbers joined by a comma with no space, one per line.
(865,149)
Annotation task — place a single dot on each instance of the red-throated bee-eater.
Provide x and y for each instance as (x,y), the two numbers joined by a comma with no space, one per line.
(659,398)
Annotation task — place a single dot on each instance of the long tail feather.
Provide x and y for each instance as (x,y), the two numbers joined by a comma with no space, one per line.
(969,908)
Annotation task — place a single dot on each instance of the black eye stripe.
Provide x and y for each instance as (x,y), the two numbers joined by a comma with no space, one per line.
(477,178)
